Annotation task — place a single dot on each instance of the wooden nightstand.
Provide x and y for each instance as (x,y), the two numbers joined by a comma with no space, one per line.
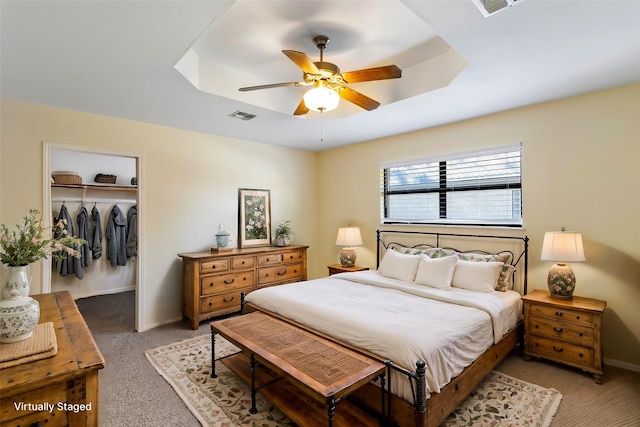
(338,268)
(565,331)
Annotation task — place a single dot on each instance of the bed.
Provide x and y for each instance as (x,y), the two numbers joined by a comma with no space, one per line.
(442,308)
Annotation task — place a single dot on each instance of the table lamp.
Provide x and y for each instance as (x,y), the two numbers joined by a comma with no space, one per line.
(348,237)
(562,247)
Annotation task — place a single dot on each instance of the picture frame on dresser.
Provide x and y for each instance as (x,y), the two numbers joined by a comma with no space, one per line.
(254,217)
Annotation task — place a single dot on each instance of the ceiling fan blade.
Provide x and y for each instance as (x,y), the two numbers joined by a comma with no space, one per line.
(302,109)
(358,99)
(303,61)
(369,74)
(246,89)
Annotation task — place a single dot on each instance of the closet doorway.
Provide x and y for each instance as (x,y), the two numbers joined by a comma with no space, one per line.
(99,200)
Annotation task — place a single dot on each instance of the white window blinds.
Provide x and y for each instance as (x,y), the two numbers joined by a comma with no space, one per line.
(471,188)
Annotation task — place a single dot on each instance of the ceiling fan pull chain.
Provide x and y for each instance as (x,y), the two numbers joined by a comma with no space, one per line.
(321,126)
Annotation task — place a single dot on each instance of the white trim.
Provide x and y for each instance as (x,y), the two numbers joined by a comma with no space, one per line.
(623,365)
(451,156)
(48,147)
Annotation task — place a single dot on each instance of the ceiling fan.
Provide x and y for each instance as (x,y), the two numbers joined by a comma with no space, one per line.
(329,84)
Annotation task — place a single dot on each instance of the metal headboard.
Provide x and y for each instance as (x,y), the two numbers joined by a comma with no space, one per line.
(436,239)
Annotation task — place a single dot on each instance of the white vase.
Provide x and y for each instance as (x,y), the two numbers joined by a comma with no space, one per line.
(19,313)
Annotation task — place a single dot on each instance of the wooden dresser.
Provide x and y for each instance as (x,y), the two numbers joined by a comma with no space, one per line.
(212,282)
(565,331)
(68,380)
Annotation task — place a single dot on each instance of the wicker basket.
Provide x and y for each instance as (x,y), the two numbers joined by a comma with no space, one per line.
(105,179)
(66,178)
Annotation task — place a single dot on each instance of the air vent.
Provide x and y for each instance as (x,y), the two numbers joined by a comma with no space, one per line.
(489,7)
(242,115)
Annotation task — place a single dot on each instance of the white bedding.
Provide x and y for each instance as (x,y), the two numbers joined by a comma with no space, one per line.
(397,320)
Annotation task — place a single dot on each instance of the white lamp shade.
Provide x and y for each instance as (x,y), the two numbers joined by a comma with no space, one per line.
(321,98)
(562,246)
(349,236)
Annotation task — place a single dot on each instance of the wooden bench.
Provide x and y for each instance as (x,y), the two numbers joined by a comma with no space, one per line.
(319,368)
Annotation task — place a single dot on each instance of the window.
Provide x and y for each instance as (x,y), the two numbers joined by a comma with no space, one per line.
(479,188)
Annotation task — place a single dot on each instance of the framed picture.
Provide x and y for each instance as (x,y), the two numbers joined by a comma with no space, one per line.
(254,220)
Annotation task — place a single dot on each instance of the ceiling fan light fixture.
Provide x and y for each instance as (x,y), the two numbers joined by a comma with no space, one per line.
(321,98)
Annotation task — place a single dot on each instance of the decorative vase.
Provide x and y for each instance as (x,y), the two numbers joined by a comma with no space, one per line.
(19,313)
(222,237)
(282,241)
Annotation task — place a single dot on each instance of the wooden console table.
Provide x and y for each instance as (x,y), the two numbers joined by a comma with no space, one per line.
(68,380)
(323,370)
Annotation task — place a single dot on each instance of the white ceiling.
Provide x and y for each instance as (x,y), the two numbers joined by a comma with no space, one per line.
(118,59)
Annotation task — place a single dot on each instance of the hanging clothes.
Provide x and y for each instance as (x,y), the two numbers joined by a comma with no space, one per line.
(132,231)
(83,233)
(96,233)
(69,264)
(117,237)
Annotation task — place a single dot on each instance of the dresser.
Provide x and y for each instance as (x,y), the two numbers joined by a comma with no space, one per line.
(68,380)
(212,283)
(565,331)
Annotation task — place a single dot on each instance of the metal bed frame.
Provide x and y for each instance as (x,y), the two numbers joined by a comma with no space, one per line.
(417,378)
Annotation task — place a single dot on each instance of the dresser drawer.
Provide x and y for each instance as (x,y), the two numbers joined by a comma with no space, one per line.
(282,273)
(226,282)
(214,266)
(269,259)
(51,395)
(292,256)
(562,352)
(571,332)
(242,262)
(561,314)
(227,302)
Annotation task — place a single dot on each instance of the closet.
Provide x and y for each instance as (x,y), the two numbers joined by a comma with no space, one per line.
(99,276)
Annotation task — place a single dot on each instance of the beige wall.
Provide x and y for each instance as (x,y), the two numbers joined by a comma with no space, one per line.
(581,169)
(580,157)
(191,183)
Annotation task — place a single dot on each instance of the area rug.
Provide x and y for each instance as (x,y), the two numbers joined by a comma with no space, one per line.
(499,400)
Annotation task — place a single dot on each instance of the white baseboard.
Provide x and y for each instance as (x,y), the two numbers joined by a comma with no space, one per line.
(107,292)
(623,365)
(164,322)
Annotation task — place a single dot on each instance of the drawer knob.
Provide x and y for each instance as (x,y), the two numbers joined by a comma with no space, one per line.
(559,313)
(557,329)
(559,350)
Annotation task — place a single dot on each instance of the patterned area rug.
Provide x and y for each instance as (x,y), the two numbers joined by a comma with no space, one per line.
(499,400)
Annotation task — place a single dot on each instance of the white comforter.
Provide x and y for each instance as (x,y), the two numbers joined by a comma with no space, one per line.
(399,321)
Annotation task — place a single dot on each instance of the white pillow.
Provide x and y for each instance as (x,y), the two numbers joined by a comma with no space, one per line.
(477,276)
(399,266)
(436,272)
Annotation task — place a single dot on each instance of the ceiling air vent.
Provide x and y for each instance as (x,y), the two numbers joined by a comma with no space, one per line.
(242,115)
(489,7)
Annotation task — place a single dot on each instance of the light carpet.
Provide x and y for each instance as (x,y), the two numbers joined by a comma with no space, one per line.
(499,400)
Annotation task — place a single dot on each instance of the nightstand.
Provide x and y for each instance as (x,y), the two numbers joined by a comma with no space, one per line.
(338,268)
(565,331)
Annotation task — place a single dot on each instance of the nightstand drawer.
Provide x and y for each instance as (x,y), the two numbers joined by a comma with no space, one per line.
(562,351)
(573,333)
(560,313)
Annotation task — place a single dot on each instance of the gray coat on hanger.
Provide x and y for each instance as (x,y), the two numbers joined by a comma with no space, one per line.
(117,237)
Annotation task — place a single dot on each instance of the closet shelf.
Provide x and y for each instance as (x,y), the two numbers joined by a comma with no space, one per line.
(97,187)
